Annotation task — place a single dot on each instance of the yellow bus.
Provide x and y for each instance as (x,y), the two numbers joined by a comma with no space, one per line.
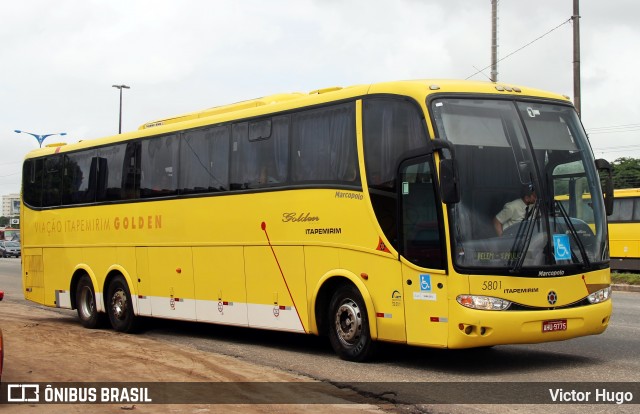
(624,230)
(363,213)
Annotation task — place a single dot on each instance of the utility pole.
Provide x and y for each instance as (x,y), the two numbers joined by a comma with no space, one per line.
(494,40)
(576,55)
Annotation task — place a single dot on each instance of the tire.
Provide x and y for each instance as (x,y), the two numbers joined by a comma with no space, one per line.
(86,305)
(120,307)
(349,332)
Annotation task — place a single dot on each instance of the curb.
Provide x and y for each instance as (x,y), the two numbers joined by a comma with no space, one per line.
(626,288)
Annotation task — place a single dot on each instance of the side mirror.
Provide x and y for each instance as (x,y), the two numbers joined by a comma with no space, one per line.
(449,189)
(605,167)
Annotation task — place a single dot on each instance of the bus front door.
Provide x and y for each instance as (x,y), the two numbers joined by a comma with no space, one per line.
(426,307)
(423,254)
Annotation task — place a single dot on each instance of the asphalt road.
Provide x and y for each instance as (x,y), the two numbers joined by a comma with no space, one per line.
(607,358)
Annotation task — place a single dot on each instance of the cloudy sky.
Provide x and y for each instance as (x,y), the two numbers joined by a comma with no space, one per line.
(59,59)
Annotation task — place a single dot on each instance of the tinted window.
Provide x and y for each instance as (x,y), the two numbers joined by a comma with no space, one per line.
(421,241)
(259,130)
(79,178)
(52,183)
(245,155)
(32,182)
(204,160)
(240,154)
(260,153)
(324,145)
(116,172)
(391,128)
(159,158)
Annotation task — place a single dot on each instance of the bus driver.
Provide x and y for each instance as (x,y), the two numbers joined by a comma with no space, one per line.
(514,211)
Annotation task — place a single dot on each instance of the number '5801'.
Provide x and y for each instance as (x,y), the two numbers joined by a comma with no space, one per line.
(491,285)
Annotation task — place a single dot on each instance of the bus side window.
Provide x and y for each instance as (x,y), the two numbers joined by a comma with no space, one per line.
(108,168)
(32,182)
(204,160)
(260,153)
(131,172)
(391,128)
(324,145)
(239,140)
(159,170)
(77,185)
(622,210)
(52,184)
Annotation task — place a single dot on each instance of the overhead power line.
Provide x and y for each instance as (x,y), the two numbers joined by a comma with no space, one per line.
(519,49)
(617,149)
(9,175)
(614,129)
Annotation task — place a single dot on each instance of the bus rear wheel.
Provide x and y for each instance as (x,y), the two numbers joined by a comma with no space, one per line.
(349,325)
(120,307)
(86,304)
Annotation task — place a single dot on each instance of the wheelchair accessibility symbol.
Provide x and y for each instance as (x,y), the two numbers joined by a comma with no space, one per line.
(561,247)
(425,283)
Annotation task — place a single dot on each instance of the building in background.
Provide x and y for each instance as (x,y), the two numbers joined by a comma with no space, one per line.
(11,205)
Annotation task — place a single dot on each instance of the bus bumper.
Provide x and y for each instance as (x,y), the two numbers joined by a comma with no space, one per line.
(470,328)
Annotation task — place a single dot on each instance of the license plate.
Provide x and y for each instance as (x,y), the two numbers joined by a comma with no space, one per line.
(553,326)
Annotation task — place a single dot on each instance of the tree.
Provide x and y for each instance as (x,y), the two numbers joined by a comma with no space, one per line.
(626,172)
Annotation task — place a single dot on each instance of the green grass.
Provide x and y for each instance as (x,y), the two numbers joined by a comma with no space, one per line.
(625,278)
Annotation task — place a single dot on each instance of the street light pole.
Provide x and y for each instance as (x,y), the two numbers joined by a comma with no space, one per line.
(40,138)
(120,119)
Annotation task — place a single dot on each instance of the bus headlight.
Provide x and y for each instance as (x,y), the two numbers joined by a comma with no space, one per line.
(483,302)
(600,296)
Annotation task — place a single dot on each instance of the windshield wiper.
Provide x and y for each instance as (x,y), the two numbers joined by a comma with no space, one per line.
(523,237)
(574,233)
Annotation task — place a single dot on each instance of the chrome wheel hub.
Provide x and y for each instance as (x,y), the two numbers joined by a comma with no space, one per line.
(119,304)
(87,302)
(348,320)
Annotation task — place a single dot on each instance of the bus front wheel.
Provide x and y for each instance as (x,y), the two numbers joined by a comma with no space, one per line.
(120,307)
(86,304)
(349,325)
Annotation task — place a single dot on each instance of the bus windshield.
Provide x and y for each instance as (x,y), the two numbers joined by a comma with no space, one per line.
(527,176)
